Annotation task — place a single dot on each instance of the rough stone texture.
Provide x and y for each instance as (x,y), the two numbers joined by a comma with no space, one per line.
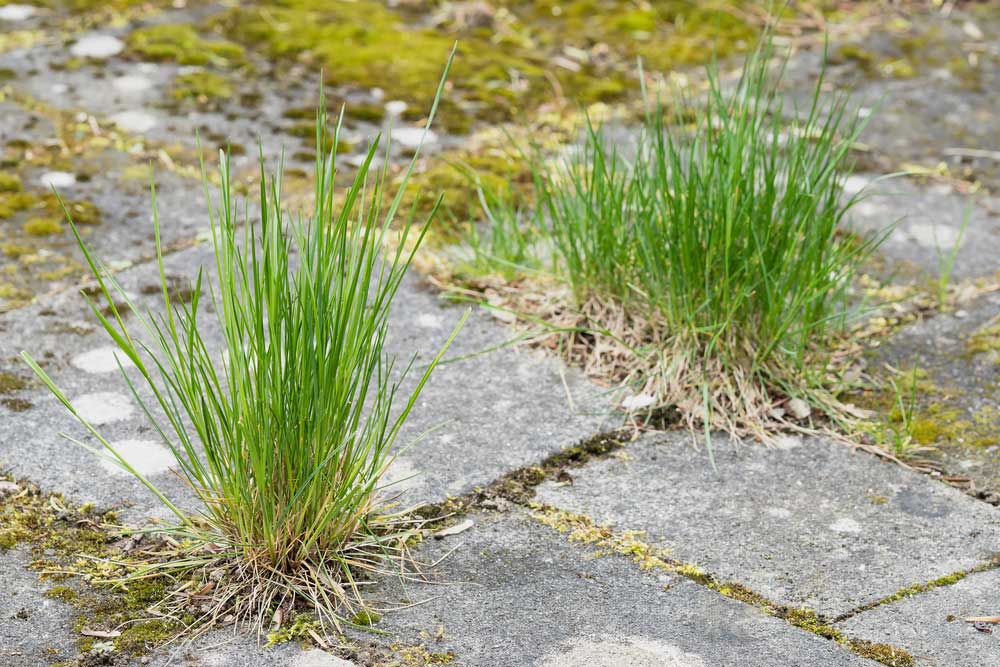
(956,390)
(34,630)
(518,593)
(809,524)
(486,414)
(921,624)
(926,221)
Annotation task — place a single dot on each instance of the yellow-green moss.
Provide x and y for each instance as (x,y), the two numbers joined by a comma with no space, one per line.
(986,340)
(12,202)
(181,43)
(366,617)
(499,74)
(42,227)
(419,656)
(302,628)
(62,593)
(201,87)
(9,382)
(10,183)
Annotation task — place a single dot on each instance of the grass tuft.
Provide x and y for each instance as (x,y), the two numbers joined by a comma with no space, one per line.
(698,263)
(286,445)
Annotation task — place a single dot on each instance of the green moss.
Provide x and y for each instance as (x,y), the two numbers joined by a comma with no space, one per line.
(302,628)
(10,183)
(62,593)
(16,404)
(42,227)
(12,202)
(9,382)
(201,87)
(366,618)
(181,43)
(500,74)
(986,340)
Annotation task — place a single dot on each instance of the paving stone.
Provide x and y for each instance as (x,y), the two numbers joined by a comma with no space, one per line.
(957,407)
(930,85)
(921,624)
(515,592)
(483,415)
(810,524)
(34,630)
(926,221)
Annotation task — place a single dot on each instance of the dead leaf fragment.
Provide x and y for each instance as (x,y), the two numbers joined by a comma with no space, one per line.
(982,619)
(100,634)
(453,530)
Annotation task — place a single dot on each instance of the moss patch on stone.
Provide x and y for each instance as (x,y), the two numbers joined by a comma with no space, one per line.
(512,60)
(202,87)
(182,44)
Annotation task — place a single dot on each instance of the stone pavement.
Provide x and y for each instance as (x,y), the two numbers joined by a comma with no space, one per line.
(806,554)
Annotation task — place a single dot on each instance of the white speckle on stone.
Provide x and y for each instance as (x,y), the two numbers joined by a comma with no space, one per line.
(97,46)
(845,525)
(15,13)
(146,456)
(377,94)
(317,658)
(864,112)
(134,120)
(395,107)
(632,651)
(103,407)
(131,84)
(58,179)
(411,137)
(638,401)
(428,321)
(59,88)
(933,236)
(101,360)
(854,184)
(778,512)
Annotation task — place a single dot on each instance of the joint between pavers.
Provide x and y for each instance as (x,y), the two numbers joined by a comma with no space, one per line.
(629,544)
(921,588)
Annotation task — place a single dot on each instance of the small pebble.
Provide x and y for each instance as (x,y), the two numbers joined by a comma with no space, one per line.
(14,13)
(135,121)
(411,137)
(131,84)
(97,46)
(58,179)
(395,107)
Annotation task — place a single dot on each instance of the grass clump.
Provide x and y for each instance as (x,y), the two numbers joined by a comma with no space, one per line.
(701,266)
(286,444)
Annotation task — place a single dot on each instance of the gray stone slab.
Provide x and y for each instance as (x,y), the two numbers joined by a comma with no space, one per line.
(921,624)
(926,221)
(809,524)
(487,414)
(958,409)
(516,592)
(931,81)
(34,630)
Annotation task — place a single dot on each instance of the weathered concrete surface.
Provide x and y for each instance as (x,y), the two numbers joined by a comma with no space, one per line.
(809,525)
(34,630)
(486,414)
(517,593)
(926,220)
(958,409)
(930,78)
(930,627)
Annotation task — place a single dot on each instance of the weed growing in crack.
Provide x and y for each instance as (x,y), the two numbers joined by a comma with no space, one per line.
(702,266)
(286,446)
